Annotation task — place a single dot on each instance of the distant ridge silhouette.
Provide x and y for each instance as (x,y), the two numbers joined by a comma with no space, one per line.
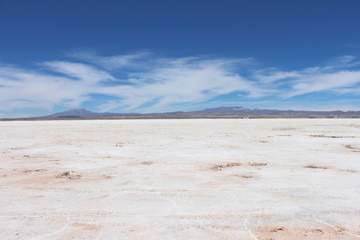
(209,112)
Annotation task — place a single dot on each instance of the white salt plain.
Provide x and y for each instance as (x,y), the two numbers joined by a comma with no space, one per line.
(180,179)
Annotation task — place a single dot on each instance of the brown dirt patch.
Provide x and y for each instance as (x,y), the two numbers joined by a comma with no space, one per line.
(147,163)
(327,136)
(86,226)
(282,233)
(219,167)
(33,170)
(352,147)
(107,177)
(69,175)
(313,166)
(257,164)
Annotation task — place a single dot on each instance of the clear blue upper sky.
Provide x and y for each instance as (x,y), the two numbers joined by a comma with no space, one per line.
(145,56)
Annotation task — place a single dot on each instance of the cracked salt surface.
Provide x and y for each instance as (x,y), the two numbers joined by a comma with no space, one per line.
(180,179)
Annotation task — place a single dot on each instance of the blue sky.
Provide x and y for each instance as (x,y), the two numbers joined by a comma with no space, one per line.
(157,56)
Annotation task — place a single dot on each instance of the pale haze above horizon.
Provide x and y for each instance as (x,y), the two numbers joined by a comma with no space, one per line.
(162,56)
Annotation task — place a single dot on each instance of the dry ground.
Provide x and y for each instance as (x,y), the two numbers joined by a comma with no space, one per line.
(180,179)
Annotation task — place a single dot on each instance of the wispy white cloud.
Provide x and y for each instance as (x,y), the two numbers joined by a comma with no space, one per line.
(21,88)
(162,83)
(78,71)
(185,80)
(111,62)
(274,75)
(324,82)
(339,73)
(145,82)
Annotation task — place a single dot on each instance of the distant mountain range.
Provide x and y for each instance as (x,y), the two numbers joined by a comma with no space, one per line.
(210,112)
(85,113)
(220,112)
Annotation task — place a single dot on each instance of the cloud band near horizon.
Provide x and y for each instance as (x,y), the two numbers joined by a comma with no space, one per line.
(146,82)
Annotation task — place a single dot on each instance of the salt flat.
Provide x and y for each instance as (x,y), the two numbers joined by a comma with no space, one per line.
(180,179)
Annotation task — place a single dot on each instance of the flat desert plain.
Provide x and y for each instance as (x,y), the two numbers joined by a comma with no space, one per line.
(180,179)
